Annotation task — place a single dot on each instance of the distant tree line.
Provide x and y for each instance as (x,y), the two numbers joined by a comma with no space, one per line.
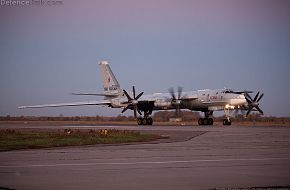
(66,118)
(160,116)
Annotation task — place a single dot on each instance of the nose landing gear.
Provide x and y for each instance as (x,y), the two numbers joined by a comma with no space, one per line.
(227,121)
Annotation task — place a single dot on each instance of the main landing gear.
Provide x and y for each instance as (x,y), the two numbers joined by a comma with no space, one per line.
(146,120)
(207,120)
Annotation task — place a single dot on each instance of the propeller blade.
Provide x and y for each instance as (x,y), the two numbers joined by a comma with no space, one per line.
(127,95)
(134,97)
(259,110)
(171,91)
(249,98)
(179,90)
(132,102)
(135,112)
(253,103)
(125,109)
(139,111)
(260,97)
(139,96)
(255,99)
(176,101)
(249,110)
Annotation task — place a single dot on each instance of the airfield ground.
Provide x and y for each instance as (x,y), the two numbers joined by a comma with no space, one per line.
(195,157)
(133,123)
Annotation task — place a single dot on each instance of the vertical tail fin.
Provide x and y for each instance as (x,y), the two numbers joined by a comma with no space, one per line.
(110,83)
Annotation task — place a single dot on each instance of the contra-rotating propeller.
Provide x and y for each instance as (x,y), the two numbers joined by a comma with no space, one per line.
(253,103)
(176,101)
(132,102)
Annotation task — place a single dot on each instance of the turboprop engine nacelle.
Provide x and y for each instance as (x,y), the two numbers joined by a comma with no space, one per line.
(163,104)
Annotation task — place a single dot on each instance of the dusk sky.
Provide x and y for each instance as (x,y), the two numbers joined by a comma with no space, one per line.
(47,52)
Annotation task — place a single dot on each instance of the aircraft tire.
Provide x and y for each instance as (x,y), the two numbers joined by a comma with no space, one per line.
(139,120)
(149,121)
(210,121)
(144,121)
(227,122)
(200,121)
(205,121)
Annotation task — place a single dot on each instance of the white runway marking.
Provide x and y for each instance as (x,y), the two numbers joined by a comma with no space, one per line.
(140,163)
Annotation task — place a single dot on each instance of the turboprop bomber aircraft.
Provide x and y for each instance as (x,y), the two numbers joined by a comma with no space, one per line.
(206,101)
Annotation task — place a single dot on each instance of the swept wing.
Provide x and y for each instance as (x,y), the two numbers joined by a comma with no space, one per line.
(102,102)
(95,94)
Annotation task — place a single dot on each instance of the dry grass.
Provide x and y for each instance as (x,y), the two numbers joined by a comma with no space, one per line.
(13,139)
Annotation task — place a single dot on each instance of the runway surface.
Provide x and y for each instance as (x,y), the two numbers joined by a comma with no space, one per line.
(223,157)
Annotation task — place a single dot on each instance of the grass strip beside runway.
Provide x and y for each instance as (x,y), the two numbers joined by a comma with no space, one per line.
(17,139)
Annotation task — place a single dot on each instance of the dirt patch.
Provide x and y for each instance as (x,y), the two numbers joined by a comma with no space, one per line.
(174,136)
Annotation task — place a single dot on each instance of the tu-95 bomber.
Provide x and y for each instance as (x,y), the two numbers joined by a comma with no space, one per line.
(206,101)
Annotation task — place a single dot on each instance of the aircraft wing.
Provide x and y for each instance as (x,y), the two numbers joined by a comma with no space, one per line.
(210,102)
(101,102)
(188,98)
(94,94)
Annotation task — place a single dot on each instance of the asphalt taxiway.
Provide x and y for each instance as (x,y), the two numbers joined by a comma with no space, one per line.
(220,157)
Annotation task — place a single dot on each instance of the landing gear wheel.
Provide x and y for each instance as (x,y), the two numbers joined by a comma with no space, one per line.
(139,120)
(210,121)
(144,121)
(200,121)
(149,121)
(205,121)
(227,122)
